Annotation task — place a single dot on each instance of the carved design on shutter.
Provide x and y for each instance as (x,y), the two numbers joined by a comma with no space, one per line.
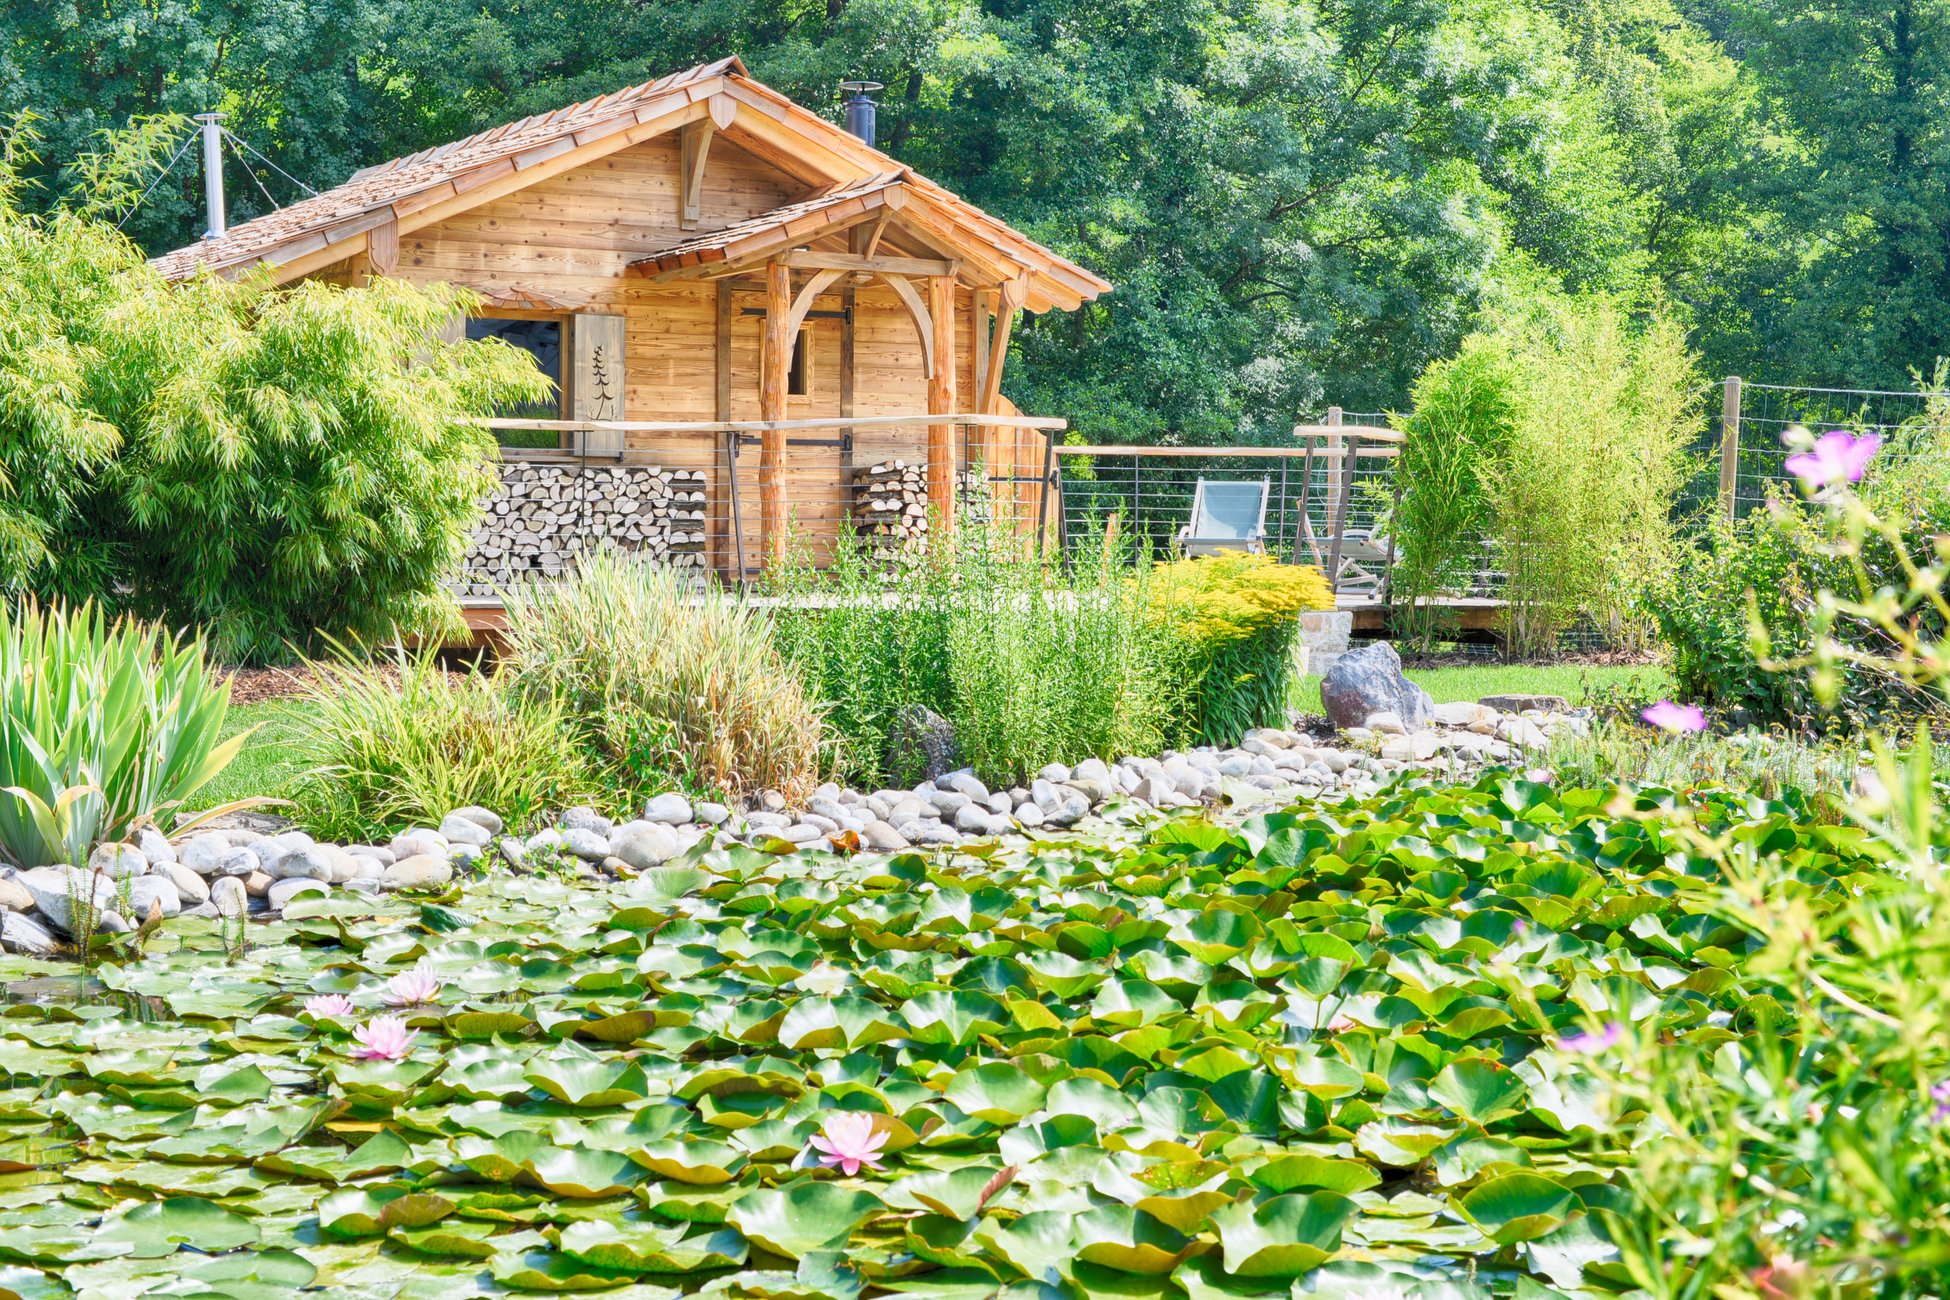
(596,379)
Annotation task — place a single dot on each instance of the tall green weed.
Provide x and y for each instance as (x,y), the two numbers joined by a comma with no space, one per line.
(1031,661)
(402,741)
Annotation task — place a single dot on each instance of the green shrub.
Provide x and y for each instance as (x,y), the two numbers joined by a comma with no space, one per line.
(667,682)
(1465,413)
(1239,618)
(1766,574)
(403,741)
(1031,663)
(266,464)
(1560,438)
(102,726)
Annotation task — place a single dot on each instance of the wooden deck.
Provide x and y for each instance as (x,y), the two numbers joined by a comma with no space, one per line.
(486,620)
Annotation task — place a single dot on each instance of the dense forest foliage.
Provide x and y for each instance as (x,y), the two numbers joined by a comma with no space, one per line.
(1300,203)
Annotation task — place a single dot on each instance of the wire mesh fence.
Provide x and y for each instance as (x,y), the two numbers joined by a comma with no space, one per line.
(1762,414)
(1320,499)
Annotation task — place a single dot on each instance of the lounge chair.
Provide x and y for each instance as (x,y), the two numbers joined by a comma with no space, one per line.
(1227,515)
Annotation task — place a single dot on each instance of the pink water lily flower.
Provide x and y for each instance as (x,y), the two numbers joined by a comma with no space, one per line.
(383,1038)
(412,987)
(848,1140)
(329,1004)
(1675,717)
(1838,457)
(1588,1042)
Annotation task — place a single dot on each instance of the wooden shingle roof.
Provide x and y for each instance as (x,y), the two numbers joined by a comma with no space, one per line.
(401,195)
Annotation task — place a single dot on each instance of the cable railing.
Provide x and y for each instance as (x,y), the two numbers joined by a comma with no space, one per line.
(726,499)
(723,498)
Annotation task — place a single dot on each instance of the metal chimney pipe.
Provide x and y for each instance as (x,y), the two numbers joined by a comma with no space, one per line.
(861,109)
(212,127)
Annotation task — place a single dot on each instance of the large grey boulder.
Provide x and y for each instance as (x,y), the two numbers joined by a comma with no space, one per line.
(1368,681)
(923,738)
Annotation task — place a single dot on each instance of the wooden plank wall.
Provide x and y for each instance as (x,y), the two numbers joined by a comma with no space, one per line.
(569,240)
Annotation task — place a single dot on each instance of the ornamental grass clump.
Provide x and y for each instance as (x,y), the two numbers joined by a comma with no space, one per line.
(666,682)
(1239,617)
(403,742)
(103,726)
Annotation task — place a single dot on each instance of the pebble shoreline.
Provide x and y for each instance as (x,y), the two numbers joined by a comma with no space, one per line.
(247,873)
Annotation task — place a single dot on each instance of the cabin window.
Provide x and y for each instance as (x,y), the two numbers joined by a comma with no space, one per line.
(799,379)
(542,339)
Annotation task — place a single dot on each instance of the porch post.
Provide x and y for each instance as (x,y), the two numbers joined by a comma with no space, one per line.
(941,401)
(775,366)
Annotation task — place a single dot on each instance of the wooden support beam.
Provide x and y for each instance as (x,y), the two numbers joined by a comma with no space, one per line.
(382,247)
(775,365)
(870,244)
(941,401)
(812,259)
(984,300)
(728,536)
(1014,294)
(693,146)
(917,311)
(803,303)
(1730,448)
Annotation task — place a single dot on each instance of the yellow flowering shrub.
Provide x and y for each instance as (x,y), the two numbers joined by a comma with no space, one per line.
(1236,615)
(1236,595)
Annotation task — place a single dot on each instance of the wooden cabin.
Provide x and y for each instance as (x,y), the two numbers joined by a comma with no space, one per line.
(759,325)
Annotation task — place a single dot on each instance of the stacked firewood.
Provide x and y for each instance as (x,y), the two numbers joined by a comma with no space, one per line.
(544,515)
(890,508)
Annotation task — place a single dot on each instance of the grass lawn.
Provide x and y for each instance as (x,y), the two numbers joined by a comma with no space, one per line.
(1577,683)
(265,766)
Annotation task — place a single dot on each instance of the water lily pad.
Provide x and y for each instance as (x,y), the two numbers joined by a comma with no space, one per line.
(160,1228)
(1285,1236)
(641,1246)
(803,1217)
(1518,1207)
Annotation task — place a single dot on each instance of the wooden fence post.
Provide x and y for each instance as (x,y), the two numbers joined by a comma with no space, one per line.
(1730,446)
(1339,456)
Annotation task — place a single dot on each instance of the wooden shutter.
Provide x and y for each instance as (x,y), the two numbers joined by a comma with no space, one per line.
(596,378)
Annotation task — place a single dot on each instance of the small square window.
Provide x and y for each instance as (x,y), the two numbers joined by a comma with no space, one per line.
(542,341)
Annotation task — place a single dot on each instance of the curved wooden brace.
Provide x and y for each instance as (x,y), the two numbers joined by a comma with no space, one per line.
(801,305)
(918,312)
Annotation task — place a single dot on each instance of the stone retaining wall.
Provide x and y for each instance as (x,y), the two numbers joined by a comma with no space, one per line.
(545,514)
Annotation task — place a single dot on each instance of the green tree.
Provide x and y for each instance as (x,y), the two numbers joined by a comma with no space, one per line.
(265,464)
(1861,92)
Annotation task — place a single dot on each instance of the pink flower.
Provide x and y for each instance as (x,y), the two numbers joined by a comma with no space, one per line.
(847,1141)
(1838,457)
(1675,717)
(326,1005)
(1586,1043)
(412,987)
(383,1038)
(1941,1096)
